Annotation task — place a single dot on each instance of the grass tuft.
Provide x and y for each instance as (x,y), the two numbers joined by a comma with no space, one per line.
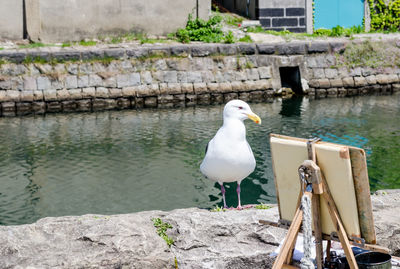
(162,228)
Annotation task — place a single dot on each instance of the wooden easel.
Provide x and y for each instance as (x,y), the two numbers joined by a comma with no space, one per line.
(314,185)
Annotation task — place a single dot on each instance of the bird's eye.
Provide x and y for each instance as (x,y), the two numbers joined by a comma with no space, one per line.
(240,107)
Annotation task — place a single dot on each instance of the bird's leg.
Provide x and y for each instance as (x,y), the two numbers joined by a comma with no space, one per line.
(223,194)
(238,193)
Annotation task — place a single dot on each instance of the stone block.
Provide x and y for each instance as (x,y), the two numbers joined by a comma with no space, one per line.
(173,88)
(342,91)
(324,83)
(43,83)
(348,82)
(393,78)
(251,74)
(182,76)
(83,81)
(75,94)
(343,72)
(63,94)
(264,72)
(95,81)
(237,86)
(110,82)
(263,84)
(180,50)
(230,96)
(200,88)
(194,77)
(320,92)
(240,76)
(114,93)
(137,52)
(26,96)
(170,77)
(71,82)
(225,87)
(266,48)
(338,46)
(150,102)
(371,80)
(116,53)
(88,92)
(207,76)
(355,72)
(230,75)
(360,81)
(30,84)
(249,85)
(331,73)
(227,49)
(367,71)
(146,77)
(291,48)
(382,79)
(147,90)
(318,73)
(187,88)
(86,68)
(129,92)
(318,47)
(165,99)
(336,83)
(314,83)
(38,95)
(12,95)
(24,108)
(102,92)
(50,95)
(67,55)
(203,50)
(246,49)
(352,91)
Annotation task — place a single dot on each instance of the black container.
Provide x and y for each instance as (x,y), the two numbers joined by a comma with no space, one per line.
(374,260)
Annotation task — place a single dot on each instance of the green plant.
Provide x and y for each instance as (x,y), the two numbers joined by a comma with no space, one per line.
(229,38)
(162,228)
(1,48)
(201,30)
(246,38)
(384,16)
(87,43)
(34,45)
(218,209)
(262,206)
(66,44)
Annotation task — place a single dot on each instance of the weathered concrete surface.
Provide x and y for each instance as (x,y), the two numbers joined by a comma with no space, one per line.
(203,239)
(70,20)
(11,26)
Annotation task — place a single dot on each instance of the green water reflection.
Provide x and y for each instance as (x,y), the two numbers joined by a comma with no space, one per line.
(127,161)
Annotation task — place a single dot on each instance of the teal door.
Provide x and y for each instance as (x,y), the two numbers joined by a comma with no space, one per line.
(330,13)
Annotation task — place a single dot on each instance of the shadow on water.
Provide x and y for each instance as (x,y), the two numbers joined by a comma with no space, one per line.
(127,161)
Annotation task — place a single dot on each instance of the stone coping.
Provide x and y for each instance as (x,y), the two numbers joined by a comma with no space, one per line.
(181,50)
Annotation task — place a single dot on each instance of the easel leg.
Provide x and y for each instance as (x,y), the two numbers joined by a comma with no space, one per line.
(290,237)
(317,230)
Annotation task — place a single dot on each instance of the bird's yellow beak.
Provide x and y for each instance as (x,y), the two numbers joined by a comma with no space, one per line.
(254,118)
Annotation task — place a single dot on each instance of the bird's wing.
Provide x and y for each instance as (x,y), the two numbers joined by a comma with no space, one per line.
(207,147)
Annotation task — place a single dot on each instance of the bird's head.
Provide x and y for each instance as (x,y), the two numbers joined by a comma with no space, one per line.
(240,110)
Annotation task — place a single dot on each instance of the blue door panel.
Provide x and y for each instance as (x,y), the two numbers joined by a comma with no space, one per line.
(330,13)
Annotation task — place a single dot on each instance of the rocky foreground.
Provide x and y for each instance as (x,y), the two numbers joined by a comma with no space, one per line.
(202,239)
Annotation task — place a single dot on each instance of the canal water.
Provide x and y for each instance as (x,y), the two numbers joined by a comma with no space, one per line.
(127,161)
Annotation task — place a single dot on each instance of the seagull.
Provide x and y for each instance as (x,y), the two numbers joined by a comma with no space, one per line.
(228,155)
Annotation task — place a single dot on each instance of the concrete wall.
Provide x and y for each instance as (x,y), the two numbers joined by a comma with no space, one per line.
(71,20)
(11,19)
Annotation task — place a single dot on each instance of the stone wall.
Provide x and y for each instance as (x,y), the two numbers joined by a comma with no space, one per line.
(82,79)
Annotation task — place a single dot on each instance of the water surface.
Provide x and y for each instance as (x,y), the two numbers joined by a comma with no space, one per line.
(127,161)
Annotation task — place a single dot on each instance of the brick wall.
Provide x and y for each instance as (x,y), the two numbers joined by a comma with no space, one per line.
(285,18)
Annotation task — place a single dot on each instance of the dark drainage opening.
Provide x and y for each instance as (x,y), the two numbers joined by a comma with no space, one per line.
(290,78)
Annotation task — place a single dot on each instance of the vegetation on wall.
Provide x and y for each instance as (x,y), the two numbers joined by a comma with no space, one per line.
(385,17)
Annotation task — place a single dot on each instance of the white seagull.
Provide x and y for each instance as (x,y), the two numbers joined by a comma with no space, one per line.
(229,157)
